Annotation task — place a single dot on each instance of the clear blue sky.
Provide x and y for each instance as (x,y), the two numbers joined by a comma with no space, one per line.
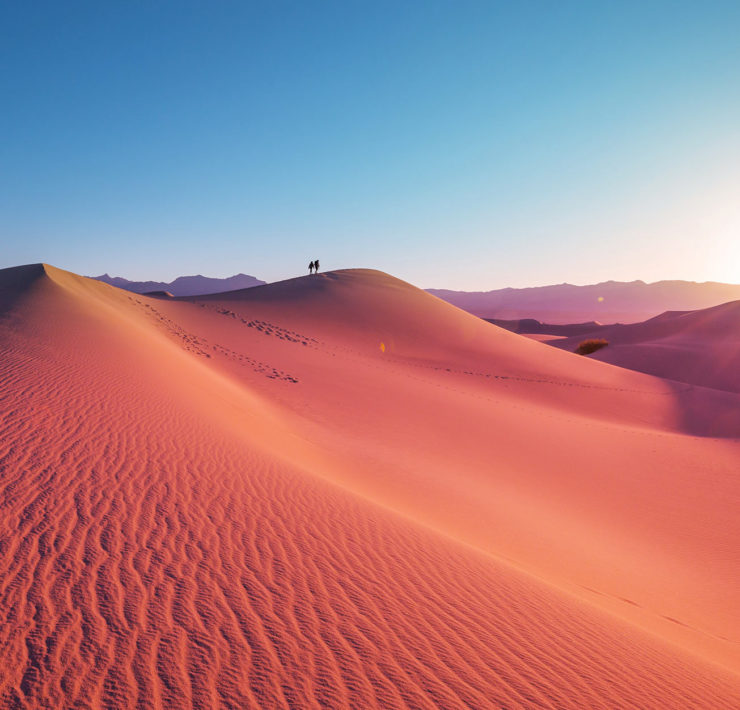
(453,144)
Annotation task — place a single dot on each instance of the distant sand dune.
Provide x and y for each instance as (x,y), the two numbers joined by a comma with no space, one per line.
(697,347)
(246,501)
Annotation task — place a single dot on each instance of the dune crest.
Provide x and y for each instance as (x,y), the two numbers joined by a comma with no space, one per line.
(244,500)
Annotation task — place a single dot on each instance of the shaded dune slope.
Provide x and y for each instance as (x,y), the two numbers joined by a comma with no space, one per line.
(697,347)
(188,518)
(532,326)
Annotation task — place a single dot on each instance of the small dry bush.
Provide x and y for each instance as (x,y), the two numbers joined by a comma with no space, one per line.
(586,347)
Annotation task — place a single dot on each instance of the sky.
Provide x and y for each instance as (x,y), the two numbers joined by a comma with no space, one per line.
(465,145)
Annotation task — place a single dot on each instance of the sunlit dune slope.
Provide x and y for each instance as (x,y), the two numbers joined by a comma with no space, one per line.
(273,498)
(586,474)
(697,347)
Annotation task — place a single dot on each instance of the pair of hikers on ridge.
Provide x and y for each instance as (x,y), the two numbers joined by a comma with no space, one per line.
(313,265)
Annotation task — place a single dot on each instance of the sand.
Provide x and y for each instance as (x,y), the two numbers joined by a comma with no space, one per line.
(700,347)
(339,491)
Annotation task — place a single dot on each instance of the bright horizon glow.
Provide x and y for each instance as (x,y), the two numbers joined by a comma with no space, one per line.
(468,147)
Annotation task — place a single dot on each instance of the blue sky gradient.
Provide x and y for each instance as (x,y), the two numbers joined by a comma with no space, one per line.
(458,145)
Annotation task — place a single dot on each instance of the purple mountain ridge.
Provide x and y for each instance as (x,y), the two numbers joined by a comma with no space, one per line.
(607,302)
(184,285)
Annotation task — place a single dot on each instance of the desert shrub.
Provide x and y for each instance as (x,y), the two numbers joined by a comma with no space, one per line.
(586,347)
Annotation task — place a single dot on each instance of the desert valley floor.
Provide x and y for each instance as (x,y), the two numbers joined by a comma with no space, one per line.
(339,491)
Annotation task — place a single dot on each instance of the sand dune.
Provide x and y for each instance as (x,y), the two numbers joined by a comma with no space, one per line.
(697,347)
(532,326)
(339,491)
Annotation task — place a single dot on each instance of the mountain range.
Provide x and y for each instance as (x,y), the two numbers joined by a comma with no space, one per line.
(606,302)
(184,285)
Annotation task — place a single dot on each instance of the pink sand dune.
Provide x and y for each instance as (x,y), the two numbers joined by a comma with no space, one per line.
(696,347)
(340,491)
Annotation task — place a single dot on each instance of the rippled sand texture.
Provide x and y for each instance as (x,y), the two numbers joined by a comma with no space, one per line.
(339,492)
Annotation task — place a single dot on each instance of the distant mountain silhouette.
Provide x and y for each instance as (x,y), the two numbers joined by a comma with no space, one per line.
(184,285)
(607,302)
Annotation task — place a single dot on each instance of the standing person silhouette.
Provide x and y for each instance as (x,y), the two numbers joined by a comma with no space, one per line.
(316,265)
(310,268)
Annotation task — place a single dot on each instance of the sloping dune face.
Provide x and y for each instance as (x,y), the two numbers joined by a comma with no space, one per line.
(304,497)
(697,347)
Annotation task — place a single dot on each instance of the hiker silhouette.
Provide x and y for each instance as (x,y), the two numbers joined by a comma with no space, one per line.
(316,265)
(310,268)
